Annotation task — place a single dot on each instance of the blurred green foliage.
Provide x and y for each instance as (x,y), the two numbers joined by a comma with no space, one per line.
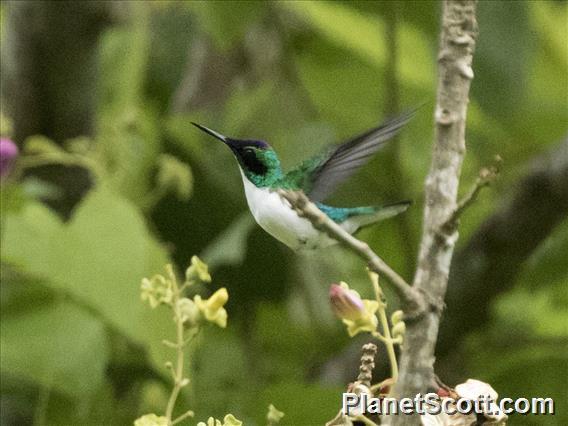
(78,346)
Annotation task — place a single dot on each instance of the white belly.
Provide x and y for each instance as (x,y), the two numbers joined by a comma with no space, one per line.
(276,217)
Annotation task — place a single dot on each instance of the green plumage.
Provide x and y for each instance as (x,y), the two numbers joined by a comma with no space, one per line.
(317,177)
(299,178)
(340,214)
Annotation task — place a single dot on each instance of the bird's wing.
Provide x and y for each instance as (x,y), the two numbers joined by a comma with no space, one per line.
(319,176)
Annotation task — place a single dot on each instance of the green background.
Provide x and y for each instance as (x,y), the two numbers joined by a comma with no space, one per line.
(77,344)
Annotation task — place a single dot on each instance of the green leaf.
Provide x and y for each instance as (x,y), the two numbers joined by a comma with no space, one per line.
(540,294)
(57,346)
(523,369)
(220,378)
(546,266)
(549,19)
(41,145)
(363,34)
(32,226)
(304,404)
(128,142)
(355,31)
(99,408)
(226,22)
(347,94)
(501,79)
(230,247)
(124,56)
(174,175)
(99,258)
(540,314)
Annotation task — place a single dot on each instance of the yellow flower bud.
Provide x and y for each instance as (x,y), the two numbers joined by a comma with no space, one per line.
(197,271)
(218,299)
(357,314)
(210,422)
(230,420)
(397,317)
(151,420)
(212,308)
(274,415)
(398,329)
(367,322)
(156,290)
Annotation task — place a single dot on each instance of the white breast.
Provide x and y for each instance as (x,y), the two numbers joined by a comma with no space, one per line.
(277,218)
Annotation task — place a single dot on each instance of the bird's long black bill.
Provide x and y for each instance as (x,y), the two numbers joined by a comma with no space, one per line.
(211,132)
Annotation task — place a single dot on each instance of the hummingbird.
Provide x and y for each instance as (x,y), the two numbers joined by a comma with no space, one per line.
(317,177)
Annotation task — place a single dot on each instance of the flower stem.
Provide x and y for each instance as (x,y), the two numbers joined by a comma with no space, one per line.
(178,376)
(183,417)
(385,337)
(179,380)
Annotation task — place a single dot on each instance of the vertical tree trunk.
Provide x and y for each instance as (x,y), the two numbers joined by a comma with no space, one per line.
(49,66)
(49,69)
(457,42)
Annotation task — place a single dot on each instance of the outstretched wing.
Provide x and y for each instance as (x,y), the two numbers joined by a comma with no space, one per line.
(319,176)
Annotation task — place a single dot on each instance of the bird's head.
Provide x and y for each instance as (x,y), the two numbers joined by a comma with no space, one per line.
(257,159)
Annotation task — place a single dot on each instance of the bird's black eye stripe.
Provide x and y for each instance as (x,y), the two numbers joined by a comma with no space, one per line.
(250,160)
(248,154)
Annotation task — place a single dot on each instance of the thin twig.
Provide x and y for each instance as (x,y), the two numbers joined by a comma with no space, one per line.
(377,387)
(183,417)
(305,208)
(486,176)
(530,213)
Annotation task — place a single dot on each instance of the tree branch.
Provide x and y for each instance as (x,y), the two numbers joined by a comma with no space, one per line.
(305,208)
(486,176)
(489,263)
(457,42)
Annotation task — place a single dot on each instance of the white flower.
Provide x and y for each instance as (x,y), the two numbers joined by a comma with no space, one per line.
(475,389)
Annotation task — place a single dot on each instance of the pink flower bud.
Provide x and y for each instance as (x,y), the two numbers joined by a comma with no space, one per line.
(8,154)
(345,303)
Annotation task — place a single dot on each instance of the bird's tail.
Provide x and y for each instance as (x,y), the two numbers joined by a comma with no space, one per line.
(370,215)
